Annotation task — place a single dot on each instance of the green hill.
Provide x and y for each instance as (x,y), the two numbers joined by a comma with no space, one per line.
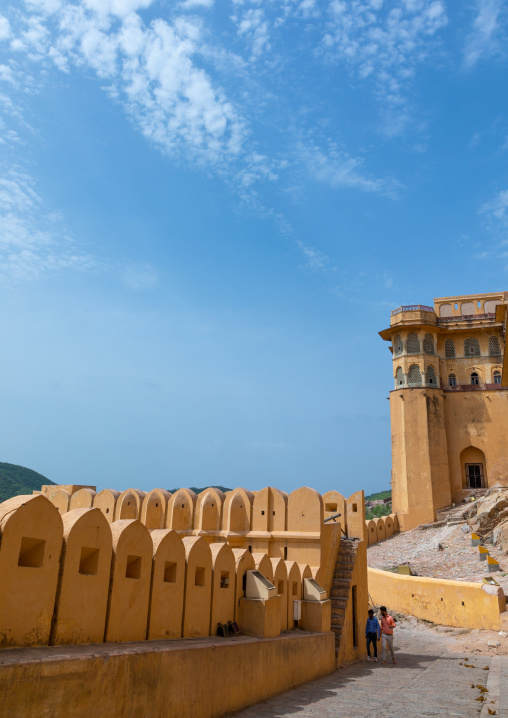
(15,480)
(380,496)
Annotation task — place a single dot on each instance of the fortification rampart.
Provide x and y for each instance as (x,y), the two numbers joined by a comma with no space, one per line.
(77,566)
(382,528)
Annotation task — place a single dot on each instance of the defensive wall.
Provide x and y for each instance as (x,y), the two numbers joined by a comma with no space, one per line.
(381,528)
(449,603)
(81,567)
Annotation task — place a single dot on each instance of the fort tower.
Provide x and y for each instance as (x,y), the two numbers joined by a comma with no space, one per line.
(449,405)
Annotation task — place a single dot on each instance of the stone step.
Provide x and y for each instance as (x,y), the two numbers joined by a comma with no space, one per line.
(340,593)
(338,603)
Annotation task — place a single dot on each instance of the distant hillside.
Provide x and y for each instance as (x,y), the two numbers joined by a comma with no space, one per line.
(15,480)
(379,496)
(198,491)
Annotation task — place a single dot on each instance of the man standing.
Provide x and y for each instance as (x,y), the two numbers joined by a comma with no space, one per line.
(387,626)
(372,634)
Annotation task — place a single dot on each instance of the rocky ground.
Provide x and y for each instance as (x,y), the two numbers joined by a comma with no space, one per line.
(445,551)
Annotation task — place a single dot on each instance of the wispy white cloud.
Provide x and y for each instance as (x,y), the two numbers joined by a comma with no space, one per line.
(336,168)
(252,26)
(484,40)
(496,211)
(383,43)
(315,260)
(33,241)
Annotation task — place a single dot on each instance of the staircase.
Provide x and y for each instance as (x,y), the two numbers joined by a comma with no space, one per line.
(341,584)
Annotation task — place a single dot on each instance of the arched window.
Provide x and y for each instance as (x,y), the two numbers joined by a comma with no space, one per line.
(414,377)
(398,346)
(494,348)
(471,347)
(475,379)
(413,343)
(445,310)
(497,377)
(452,380)
(428,344)
(467,308)
(431,376)
(399,377)
(490,306)
(449,348)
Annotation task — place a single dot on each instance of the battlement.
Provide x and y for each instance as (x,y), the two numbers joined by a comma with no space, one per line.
(77,566)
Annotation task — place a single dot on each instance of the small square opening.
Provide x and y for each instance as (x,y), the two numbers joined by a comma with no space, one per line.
(262,513)
(332,508)
(224,579)
(355,508)
(89,561)
(295,588)
(280,588)
(107,511)
(31,553)
(170,572)
(199,576)
(273,512)
(133,569)
(463,603)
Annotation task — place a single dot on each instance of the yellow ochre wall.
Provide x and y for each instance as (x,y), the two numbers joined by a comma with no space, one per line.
(449,603)
(203,679)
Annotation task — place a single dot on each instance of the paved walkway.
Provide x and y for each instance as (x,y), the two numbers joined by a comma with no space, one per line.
(428,680)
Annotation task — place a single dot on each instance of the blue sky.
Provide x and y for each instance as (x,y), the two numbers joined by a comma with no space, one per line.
(208,209)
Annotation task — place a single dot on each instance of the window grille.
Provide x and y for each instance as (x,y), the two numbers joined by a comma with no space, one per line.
(497,377)
(494,348)
(414,377)
(413,344)
(399,377)
(471,347)
(452,380)
(398,345)
(449,348)
(475,379)
(431,376)
(428,344)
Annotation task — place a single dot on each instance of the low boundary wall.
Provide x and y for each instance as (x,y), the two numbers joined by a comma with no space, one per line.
(188,678)
(449,603)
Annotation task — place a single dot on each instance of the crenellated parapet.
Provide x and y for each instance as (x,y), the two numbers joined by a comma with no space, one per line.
(80,566)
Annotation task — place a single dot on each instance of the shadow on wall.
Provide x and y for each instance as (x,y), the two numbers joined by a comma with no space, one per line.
(76,576)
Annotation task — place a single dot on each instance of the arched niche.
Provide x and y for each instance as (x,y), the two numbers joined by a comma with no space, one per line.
(129,593)
(168,585)
(82,597)
(180,510)
(223,585)
(105,501)
(305,510)
(237,511)
(371,527)
(61,499)
(82,499)
(445,310)
(334,502)
(264,564)
(209,510)
(153,509)
(294,590)
(128,505)
(243,562)
(269,510)
(381,531)
(280,581)
(474,468)
(198,587)
(30,543)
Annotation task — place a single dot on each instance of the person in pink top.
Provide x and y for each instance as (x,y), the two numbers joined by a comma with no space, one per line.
(387,626)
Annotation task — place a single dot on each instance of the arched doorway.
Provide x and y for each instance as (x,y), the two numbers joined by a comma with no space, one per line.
(474,468)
